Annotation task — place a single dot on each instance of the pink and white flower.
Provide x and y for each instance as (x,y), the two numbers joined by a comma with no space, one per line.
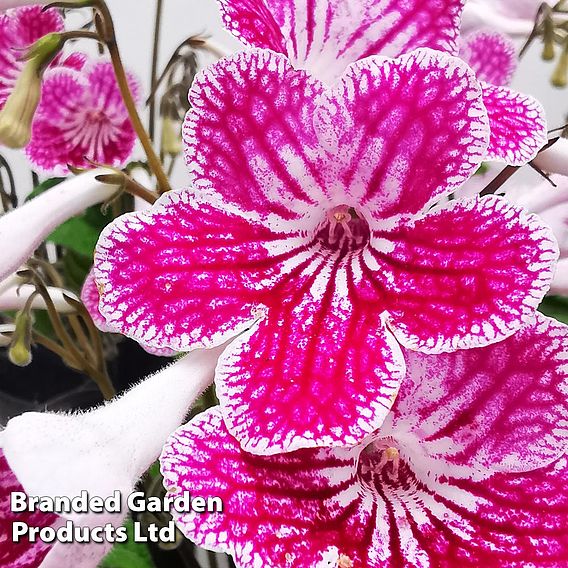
(305,233)
(325,36)
(81,119)
(102,451)
(469,469)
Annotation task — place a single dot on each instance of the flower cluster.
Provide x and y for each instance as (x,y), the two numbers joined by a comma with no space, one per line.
(80,117)
(389,396)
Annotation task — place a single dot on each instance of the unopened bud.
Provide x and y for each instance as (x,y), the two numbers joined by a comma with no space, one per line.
(171,137)
(18,113)
(560,75)
(20,352)
(548,51)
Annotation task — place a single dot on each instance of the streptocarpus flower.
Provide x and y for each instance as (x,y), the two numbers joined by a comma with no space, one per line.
(306,227)
(90,297)
(102,451)
(325,36)
(81,118)
(467,470)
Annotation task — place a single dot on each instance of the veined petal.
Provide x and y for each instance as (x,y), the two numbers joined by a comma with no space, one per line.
(325,36)
(315,372)
(250,135)
(104,450)
(22,554)
(284,510)
(518,125)
(187,273)
(500,408)
(465,276)
(492,55)
(91,298)
(433,103)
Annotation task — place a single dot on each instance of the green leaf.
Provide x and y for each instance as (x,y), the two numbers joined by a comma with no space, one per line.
(75,269)
(555,307)
(128,554)
(44,186)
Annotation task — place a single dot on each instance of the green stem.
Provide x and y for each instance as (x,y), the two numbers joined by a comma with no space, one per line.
(109,37)
(155,55)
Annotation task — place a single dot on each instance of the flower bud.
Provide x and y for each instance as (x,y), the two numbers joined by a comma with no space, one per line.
(171,137)
(18,113)
(560,76)
(20,352)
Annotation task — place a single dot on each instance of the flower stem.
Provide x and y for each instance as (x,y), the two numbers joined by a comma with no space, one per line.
(155,54)
(109,37)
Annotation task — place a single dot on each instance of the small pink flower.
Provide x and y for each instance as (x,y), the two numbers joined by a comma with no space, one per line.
(81,119)
(326,36)
(513,17)
(306,235)
(468,470)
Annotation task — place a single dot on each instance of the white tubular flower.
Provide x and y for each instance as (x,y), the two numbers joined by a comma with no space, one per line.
(24,229)
(560,283)
(554,160)
(101,451)
(4,339)
(15,298)
(502,16)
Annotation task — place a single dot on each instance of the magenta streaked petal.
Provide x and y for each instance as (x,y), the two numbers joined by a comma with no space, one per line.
(314,373)
(261,131)
(464,276)
(325,36)
(23,554)
(278,511)
(492,55)
(18,30)
(501,408)
(81,119)
(90,297)
(250,134)
(432,101)
(518,125)
(185,273)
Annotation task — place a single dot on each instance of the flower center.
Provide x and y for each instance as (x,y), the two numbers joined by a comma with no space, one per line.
(343,229)
(381,467)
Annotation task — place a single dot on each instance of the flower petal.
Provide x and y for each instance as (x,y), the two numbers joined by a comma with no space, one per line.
(492,55)
(464,276)
(250,134)
(22,554)
(261,131)
(433,103)
(91,298)
(282,510)
(500,408)
(325,36)
(185,273)
(518,125)
(314,372)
